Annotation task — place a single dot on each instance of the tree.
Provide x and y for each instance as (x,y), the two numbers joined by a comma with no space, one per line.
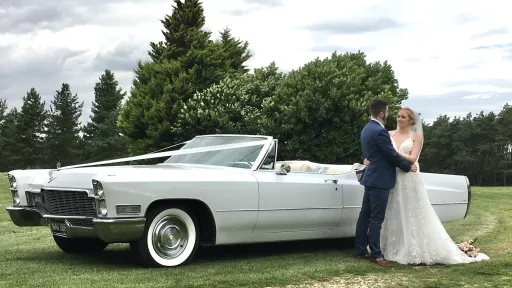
(101,137)
(237,51)
(63,128)
(437,148)
(318,111)
(232,106)
(484,143)
(9,138)
(182,32)
(474,146)
(504,143)
(3,109)
(30,126)
(186,62)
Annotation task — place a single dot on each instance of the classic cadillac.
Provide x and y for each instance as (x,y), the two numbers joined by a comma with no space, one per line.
(215,190)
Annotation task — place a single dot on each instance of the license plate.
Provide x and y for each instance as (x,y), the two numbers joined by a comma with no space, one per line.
(58,227)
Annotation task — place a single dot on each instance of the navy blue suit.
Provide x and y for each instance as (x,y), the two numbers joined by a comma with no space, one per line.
(379,177)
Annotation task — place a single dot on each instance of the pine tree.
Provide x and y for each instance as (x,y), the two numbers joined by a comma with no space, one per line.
(237,51)
(31,130)
(9,138)
(186,62)
(63,128)
(182,31)
(3,109)
(101,136)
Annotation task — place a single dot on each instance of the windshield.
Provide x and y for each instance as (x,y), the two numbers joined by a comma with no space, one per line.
(243,157)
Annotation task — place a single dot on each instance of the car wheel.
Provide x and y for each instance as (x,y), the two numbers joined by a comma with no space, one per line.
(79,245)
(170,238)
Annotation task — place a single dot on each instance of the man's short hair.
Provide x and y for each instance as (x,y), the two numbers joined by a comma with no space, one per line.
(377,106)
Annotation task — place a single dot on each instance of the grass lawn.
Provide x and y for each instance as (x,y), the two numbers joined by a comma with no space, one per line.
(29,258)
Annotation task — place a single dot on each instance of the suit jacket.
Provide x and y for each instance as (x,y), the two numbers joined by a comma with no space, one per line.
(377,148)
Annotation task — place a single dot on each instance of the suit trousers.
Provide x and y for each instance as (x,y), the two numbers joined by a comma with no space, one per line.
(369,224)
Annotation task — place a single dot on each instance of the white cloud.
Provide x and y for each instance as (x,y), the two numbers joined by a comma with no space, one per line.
(435,47)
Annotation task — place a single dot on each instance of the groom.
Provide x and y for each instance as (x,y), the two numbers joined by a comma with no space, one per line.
(379,177)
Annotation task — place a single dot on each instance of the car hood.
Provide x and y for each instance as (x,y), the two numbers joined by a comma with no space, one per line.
(81,178)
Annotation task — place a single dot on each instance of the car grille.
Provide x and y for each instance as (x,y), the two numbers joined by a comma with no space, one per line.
(70,203)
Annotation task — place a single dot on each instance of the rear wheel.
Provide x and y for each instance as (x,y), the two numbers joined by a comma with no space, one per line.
(170,238)
(80,245)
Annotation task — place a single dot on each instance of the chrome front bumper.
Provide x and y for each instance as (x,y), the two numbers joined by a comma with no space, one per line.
(110,230)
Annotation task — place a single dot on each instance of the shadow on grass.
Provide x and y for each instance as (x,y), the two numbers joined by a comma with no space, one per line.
(119,256)
(272,249)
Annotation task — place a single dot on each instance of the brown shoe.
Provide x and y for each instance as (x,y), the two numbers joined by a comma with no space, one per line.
(381,261)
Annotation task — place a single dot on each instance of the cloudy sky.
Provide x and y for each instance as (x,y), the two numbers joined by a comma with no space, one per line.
(454,56)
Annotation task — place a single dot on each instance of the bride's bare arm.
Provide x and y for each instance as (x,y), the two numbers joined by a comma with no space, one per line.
(416,149)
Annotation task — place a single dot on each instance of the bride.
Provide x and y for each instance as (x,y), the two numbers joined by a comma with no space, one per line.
(412,232)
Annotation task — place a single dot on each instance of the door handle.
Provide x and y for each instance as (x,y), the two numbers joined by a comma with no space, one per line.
(331,180)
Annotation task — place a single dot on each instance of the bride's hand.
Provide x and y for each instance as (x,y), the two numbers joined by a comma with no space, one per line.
(366,162)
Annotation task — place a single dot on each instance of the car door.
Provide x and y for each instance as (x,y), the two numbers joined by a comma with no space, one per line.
(297,201)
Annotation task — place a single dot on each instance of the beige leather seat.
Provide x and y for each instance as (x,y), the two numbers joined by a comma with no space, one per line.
(308,166)
(297,166)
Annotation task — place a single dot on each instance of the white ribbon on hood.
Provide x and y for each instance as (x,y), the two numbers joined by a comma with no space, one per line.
(171,153)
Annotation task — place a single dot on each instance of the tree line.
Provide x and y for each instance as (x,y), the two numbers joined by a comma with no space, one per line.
(193,84)
(35,137)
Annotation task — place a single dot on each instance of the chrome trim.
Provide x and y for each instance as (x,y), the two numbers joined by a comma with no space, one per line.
(280,209)
(238,210)
(448,203)
(261,156)
(274,142)
(138,206)
(25,216)
(107,229)
(119,229)
(64,189)
(317,208)
(305,208)
(433,204)
(63,217)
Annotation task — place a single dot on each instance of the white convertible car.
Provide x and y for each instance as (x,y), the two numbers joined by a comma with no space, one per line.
(215,190)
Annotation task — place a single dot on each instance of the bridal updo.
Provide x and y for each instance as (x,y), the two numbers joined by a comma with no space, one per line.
(410,113)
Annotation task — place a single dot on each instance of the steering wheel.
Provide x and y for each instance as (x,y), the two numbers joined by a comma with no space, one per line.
(244,161)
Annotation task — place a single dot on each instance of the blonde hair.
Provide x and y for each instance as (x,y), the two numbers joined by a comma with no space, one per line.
(410,113)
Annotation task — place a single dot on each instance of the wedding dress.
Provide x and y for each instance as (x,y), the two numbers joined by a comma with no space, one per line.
(412,232)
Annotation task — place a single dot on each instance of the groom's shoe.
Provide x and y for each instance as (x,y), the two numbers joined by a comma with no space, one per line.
(380,261)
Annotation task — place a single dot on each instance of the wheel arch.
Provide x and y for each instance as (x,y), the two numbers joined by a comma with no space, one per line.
(203,213)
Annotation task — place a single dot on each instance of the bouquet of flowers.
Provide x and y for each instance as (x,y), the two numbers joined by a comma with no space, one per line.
(469,247)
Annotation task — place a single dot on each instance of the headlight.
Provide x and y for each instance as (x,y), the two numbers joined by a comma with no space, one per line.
(98,188)
(15,197)
(102,208)
(12,182)
(101,205)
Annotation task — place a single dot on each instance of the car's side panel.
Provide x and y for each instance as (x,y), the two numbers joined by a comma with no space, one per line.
(352,198)
(448,194)
(297,202)
(231,195)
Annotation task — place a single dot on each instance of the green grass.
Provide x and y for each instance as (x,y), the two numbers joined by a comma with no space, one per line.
(29,258)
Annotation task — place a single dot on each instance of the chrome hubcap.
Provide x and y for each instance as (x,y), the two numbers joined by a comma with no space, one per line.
(170,237)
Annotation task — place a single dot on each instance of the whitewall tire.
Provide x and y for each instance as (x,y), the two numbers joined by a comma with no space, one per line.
(170,238)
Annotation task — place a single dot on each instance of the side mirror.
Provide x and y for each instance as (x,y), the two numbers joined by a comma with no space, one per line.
(359,174)
(285,169)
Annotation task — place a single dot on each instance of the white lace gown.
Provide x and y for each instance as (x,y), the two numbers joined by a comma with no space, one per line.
(412,232)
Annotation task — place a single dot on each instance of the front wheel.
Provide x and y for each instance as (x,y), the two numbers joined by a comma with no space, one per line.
(170,238)
(79,245)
